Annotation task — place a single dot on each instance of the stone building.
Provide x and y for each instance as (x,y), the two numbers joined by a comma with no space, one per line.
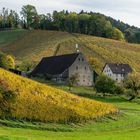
(60,68)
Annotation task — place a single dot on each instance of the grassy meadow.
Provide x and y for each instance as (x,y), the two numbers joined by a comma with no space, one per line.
(123,127)
(33,45)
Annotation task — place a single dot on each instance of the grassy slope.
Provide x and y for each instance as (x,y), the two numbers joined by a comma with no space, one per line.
(8,37)
(125,128)
(36,44)
(37,101)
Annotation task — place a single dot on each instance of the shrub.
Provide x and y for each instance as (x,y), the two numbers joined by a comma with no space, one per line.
(7,61)
(26,66)
(72,80)
(105,84)
(119,89)
(132,83)
(118,35)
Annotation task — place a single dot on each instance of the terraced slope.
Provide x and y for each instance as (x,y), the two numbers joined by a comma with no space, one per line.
(37,44)
(35,101)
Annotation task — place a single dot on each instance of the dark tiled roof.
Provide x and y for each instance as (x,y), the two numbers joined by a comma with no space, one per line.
(120,68)
(55,65)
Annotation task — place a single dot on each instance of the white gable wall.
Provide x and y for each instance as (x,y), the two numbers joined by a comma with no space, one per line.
(117,77)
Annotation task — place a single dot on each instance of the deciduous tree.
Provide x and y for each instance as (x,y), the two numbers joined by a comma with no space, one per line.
(29,14)
(132,83)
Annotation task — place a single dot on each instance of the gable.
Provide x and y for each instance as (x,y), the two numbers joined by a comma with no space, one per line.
(81,61)
(107,69)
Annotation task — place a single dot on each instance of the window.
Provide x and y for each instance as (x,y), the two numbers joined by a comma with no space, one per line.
(76,67)
(82,59)
(79,59)
(85,68)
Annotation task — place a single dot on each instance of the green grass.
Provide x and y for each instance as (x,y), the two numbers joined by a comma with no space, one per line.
(124,127)
(81,91)
(9,37)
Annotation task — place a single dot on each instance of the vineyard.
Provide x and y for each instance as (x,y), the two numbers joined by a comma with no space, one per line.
(35,101)
(33,45)
(44,112)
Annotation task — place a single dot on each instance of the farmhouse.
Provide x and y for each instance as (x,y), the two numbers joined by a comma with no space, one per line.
(60,68)
(117,71)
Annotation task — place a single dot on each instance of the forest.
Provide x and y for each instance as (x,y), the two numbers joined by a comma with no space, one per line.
(89,23)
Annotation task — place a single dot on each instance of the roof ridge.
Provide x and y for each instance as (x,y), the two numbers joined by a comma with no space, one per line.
(62,55)
(119,67)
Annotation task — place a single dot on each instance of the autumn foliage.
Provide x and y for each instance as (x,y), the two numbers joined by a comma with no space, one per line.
(33,45)
(39,102)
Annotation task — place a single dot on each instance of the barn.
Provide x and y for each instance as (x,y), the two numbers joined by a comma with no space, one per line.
(62,67)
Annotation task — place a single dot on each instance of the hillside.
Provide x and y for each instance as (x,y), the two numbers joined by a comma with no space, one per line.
(9,36)
(36,44)
(38,102)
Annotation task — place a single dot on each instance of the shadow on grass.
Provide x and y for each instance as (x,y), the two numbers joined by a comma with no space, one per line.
(109,99)
(12,138)
(4,138)
(131,109)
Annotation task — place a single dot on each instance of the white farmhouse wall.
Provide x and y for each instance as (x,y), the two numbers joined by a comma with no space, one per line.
(117,77)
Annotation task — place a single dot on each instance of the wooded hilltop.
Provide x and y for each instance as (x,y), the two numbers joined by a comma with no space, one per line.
(89,23)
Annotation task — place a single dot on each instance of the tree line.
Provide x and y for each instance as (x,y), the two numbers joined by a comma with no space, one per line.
(129,87)
(83,22)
